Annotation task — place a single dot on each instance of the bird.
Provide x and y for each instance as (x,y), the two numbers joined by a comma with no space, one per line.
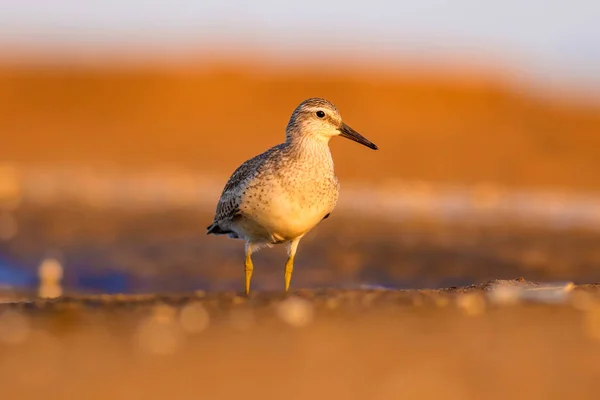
(281,194)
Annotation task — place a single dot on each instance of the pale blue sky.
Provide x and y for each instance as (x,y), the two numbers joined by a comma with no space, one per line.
(554,38)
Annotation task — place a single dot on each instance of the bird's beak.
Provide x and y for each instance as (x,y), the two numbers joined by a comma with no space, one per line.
(349,133)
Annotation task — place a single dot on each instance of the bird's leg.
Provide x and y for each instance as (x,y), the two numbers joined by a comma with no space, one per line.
(248,266)
(289,265)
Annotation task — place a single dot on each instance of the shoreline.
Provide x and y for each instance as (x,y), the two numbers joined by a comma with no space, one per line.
(491,293)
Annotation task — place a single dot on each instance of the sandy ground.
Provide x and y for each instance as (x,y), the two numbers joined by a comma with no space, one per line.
(321,344)
(185,331)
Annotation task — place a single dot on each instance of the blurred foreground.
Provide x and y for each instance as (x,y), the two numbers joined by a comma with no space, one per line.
(331,344)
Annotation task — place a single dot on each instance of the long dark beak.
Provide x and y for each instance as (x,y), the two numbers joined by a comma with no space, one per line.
(349,133)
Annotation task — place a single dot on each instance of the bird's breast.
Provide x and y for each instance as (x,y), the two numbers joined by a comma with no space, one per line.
(290,206)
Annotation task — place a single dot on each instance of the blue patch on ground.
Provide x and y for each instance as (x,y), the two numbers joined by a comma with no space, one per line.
(111,283)
(13,276)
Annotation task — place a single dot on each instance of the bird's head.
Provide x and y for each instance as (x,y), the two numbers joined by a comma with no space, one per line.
(319,119)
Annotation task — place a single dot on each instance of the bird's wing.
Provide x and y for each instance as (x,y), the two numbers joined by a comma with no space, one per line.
(228,206)
(229,203)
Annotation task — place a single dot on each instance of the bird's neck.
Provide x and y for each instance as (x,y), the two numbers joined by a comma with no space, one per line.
(310,148)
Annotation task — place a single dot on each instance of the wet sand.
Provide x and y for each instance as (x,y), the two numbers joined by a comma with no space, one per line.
(112,251)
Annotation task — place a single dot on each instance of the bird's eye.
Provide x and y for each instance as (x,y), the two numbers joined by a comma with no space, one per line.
(320,114)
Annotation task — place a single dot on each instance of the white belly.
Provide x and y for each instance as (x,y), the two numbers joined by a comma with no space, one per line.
(284,213)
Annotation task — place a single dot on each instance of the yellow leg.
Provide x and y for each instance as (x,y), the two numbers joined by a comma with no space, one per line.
(289,265)
(249,267)
(289,268)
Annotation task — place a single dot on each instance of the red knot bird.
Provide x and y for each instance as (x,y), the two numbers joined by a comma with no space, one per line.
(281,194)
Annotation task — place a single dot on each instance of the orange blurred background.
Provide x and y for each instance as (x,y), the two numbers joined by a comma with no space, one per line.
(457,93)
(464,126)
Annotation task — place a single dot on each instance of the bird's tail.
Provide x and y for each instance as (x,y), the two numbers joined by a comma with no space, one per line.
(215,229)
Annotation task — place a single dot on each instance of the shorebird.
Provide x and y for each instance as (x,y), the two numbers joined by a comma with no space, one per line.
(281,194)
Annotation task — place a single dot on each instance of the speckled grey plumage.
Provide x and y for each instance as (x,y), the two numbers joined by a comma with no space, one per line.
(301,176)
(281,194)
(228,207)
